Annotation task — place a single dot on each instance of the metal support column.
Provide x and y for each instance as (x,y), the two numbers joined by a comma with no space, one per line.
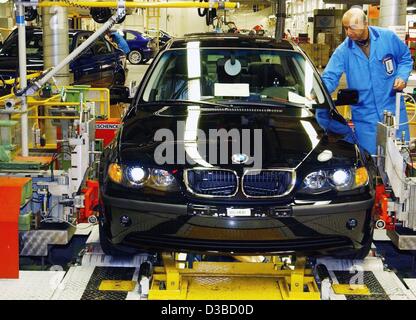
(392,13)
(20,21)
(55,41)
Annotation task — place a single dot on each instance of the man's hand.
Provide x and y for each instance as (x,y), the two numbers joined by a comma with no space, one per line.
(399,84)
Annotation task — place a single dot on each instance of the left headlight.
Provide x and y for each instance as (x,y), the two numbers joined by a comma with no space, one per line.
(341,179)
(138,177)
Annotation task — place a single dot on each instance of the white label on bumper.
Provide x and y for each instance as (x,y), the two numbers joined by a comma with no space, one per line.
(238,212)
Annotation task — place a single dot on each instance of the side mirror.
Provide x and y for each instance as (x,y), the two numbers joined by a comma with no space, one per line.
(346,97)
(120,94)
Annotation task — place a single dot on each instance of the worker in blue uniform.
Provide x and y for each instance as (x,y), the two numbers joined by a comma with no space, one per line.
(377,64)
(118,39)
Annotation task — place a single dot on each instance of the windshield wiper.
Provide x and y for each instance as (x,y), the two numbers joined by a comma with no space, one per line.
(268,104)
(189,102)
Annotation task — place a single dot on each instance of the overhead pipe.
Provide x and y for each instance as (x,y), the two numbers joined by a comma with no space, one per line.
(392,13)
(55,41)
(36,85)
(280,19)
(134,4)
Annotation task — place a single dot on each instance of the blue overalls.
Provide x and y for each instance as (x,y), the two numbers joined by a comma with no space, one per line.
(121,42)
(373,77)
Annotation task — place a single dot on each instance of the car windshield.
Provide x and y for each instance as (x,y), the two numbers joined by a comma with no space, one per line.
(233,75)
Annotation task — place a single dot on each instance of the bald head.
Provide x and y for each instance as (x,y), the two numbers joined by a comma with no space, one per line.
(355,24)
(355,16)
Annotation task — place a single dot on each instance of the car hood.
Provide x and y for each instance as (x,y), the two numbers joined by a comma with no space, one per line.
(270,137)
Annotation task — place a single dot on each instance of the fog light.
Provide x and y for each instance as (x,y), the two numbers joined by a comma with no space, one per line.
(125,221)
(352,223)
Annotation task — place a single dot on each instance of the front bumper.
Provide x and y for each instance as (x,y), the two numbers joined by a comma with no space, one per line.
(308,229)
(147,53)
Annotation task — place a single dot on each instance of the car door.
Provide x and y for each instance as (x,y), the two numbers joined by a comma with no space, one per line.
(10,51)
(85,67)
(106,59)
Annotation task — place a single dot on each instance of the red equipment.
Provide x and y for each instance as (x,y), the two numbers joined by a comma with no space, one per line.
(384,220)
(11,191)
(90,200)
(106,129)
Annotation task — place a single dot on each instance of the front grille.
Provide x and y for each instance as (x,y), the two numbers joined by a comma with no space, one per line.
(267,183)
(212,182)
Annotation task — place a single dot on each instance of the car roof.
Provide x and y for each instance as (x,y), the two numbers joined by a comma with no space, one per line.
(70,31)
(233,40)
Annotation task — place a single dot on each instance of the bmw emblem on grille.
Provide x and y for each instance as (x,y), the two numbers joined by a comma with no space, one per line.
(239,158)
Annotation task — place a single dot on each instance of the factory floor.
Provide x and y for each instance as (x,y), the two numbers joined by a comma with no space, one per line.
(77,270)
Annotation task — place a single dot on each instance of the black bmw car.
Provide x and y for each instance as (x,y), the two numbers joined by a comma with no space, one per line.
(232,145)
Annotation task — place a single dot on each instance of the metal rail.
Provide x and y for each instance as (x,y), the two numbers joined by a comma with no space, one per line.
(135,4)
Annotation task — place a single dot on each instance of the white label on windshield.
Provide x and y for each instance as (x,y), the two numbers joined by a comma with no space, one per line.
(231,90)
(294,97)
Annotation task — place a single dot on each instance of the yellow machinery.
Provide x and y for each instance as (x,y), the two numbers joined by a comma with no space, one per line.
(153,19)
(272,280)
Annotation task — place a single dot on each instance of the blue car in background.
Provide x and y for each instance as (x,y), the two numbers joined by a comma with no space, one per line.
(101,65)
(141,46)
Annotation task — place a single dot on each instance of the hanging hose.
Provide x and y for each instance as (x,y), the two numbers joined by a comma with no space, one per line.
(45,77)
(208,13)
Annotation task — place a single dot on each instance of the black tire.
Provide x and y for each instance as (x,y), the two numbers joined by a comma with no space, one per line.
(359,254)
(119,79)
(111,250)
(135,57)
(145,270)
(100,15)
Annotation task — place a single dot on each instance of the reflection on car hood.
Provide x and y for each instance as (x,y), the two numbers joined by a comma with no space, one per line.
(279,137)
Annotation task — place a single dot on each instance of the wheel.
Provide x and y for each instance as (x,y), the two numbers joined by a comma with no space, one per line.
(135,57)
(119,79)
(111,250)
(359,254)
(145,270)
(100,15)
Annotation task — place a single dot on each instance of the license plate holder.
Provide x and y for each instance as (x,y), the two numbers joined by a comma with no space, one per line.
(239,212)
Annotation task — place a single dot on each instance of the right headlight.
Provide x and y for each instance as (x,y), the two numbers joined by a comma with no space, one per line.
(137,177)
(340,179)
